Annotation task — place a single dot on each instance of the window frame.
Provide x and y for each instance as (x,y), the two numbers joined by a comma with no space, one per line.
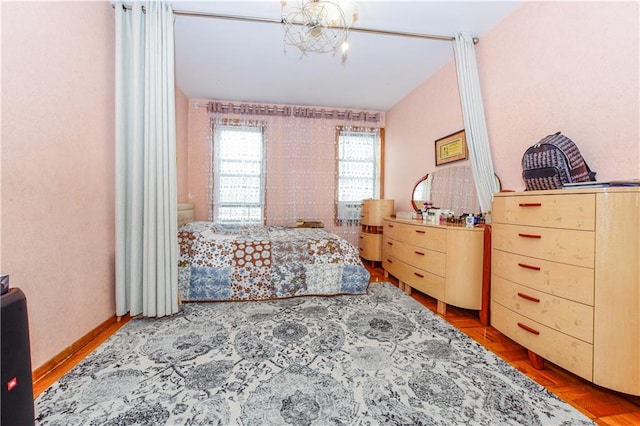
(355,206)
(216,163)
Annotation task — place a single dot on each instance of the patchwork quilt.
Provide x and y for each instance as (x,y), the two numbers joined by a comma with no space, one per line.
(252,262)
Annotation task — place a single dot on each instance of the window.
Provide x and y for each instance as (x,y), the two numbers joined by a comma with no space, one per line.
(238,175)
(359,170)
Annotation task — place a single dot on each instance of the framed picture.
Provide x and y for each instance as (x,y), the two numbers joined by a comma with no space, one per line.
(451,148)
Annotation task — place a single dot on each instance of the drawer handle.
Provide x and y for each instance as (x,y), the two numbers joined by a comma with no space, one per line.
(389,260)
(390,243)
(418,275)
(529,329)
(529,235)
(361,249)
(420,231)
(527,297)
(530,204)
(361,237)
(390,226)
(420,253)
(524,265)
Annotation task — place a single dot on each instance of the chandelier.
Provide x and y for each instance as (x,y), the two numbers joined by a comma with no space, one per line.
(318,26)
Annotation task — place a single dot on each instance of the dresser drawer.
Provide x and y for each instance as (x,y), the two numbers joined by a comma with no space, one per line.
(429,237)
(423,281)
(558,245)
(568,211)
(428,260)
(386,247)
(374,211)
(566,316)
(370,246)
(559,279)
(566,351)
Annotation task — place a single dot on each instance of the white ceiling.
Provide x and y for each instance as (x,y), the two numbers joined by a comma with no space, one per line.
(247,61)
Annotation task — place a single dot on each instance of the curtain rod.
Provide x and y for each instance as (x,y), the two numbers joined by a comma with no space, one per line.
(279,21)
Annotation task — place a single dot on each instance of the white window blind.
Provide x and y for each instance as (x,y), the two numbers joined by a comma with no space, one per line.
(358,171)
(238,182)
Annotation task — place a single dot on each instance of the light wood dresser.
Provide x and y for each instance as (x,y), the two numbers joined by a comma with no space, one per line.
(566,280)
(371,220)
(445,262)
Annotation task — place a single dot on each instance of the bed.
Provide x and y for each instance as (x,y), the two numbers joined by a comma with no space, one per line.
(251,262)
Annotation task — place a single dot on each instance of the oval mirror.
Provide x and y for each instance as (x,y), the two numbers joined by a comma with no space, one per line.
(421,192)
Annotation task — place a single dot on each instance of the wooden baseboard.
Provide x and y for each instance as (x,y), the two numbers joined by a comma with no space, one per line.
(53,369)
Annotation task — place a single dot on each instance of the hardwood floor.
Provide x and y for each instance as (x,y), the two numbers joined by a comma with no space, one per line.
(42,380)
(605,407)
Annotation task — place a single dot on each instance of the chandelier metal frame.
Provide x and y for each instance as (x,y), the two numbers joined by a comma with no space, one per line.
(317,26)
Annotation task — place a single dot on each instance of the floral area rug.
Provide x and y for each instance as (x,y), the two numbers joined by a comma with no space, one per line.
(375,359)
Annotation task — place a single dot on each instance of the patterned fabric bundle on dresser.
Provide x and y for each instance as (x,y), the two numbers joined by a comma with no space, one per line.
(250,262)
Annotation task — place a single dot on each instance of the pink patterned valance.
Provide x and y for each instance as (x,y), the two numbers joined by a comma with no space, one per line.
(293,111)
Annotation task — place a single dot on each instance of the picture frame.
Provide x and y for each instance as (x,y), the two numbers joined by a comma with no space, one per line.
(451,148)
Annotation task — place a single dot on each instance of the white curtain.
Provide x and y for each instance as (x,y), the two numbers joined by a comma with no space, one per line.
(146,200)
(453,188)
(474,120)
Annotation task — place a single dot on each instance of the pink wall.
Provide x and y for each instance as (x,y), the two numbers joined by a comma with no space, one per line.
(549,66)
(182,148)
(428,113)
(198,158)
(58,166)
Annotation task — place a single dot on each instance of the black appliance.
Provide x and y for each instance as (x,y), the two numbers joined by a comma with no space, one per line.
(16,402)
